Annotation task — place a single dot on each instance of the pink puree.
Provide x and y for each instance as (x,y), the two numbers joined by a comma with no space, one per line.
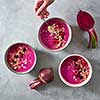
(67,69)
(29,55)
(44,35)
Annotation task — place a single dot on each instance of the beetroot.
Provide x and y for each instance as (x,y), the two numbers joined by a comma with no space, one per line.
(86,23)
(46,75)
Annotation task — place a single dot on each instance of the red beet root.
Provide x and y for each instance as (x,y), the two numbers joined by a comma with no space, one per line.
(46,75)
(86,23)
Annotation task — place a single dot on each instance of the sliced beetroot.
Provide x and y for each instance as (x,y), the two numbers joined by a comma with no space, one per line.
(86,22)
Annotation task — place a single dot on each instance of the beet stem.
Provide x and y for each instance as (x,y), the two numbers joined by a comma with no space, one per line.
(93,42)
(35,83)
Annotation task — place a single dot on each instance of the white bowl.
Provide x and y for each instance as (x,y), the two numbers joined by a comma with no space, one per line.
(8,65)
(68,41)
(80,84)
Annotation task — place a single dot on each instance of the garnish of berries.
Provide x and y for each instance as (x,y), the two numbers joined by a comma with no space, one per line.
(57,33)
(82,70)
(16,57)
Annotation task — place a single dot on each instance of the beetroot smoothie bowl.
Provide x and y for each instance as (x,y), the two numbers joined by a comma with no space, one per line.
(20,58)
(75,70)
(55,34)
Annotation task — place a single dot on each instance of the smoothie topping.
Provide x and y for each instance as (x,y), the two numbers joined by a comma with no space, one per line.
(81,70)
(57,33)
(51,29)
(17,60)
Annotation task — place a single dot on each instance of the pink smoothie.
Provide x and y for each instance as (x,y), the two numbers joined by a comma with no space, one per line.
(45,36)
(20,57)
(75,70)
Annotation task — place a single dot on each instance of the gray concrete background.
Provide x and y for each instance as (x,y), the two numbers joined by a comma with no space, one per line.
(18,23)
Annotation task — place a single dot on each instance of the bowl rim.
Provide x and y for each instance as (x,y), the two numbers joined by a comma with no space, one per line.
(11,69)
(75,85)
(69,38)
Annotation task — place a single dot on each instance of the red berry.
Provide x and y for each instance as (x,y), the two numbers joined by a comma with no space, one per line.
(55,41)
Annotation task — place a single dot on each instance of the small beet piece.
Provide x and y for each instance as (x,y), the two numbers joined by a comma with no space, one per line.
(86,23)
(46,75)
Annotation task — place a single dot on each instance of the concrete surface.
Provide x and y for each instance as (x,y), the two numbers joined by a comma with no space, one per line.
(18,23)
